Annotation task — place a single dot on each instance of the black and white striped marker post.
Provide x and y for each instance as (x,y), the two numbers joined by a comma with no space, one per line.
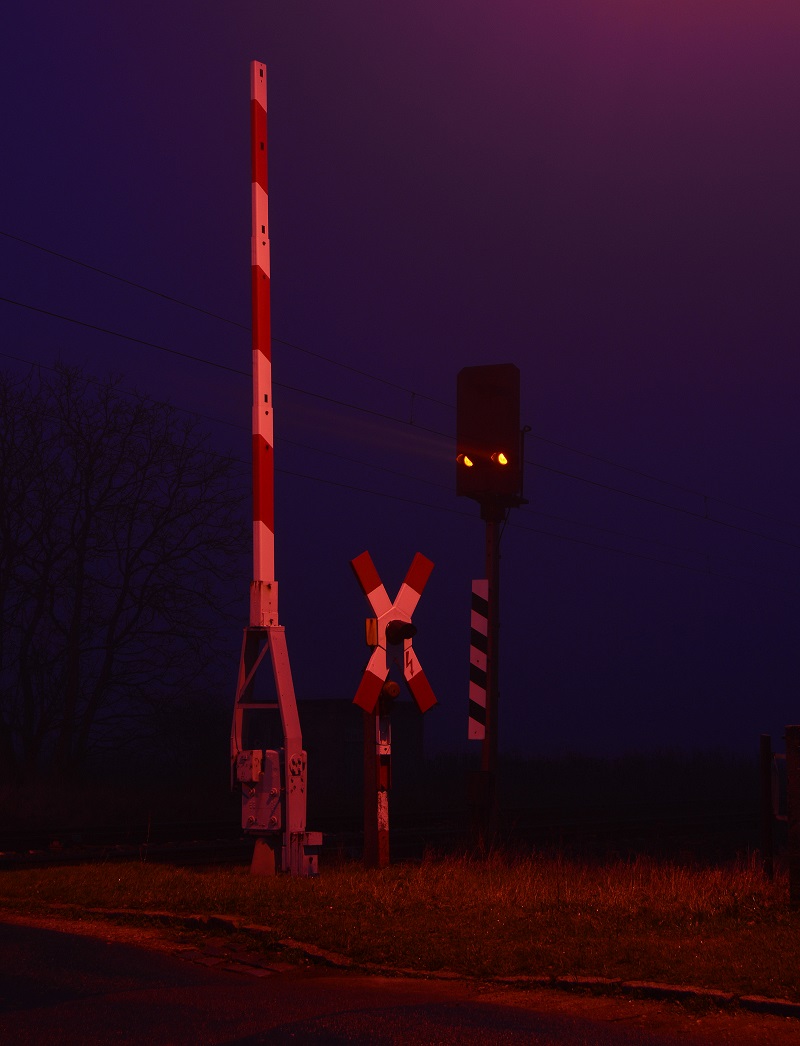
(479,641)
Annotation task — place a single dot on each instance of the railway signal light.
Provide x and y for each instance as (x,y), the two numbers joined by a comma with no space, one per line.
(489,442)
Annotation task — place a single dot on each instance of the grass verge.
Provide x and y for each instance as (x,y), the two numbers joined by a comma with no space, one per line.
(498,916)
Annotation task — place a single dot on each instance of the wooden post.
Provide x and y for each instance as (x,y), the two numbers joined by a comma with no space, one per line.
(377,781)
(767,813)
(793,812)
(494,515)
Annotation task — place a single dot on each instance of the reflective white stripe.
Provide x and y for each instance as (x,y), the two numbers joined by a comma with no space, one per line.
(263,551)
(263,421)
(260,239)
(406,602)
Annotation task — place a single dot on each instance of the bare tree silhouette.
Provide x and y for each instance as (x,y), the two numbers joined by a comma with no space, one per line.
(119,530)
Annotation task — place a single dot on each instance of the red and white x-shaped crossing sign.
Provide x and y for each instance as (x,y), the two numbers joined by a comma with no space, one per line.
(392,616)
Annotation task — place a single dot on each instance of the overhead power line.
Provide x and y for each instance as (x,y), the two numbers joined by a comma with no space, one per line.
(210,363)
(223,319)
(382,414)
(125,337)
(374,377)
(401,421)
(122,279)
(674,508)
(707,570)
(516,525)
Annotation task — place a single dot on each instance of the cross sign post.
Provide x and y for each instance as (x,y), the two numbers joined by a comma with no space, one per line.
(391,626)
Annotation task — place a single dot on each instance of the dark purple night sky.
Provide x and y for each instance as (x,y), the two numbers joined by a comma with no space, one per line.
(603,192)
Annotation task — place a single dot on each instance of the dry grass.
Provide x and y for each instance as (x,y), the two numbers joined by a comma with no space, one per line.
(726,928)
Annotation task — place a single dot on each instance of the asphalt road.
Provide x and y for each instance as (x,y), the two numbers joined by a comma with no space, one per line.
(68,988)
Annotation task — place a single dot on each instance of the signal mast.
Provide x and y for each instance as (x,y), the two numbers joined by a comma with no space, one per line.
(489,470)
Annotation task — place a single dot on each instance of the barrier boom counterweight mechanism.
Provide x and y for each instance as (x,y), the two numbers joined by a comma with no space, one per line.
(489,469)
(272,778)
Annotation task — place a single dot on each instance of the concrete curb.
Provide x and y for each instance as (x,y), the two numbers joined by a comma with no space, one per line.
(654,990)
(591,985)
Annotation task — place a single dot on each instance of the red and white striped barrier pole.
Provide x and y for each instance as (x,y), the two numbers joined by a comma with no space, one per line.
(264,589)
(273,784)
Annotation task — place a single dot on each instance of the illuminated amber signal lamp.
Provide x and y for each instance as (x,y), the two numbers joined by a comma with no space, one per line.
(465,459)
(499,458)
